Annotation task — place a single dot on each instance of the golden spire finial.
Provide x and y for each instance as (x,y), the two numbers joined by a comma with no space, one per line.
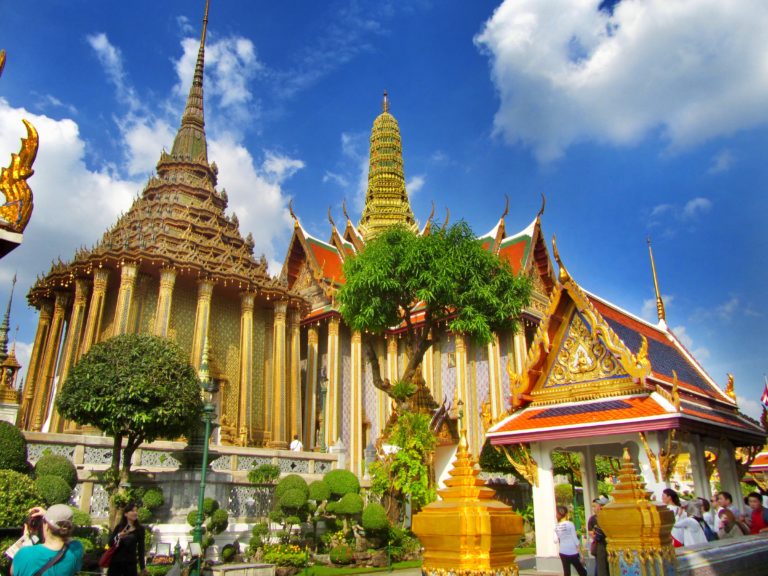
(564,276)
(659,302)
(330,218)
(385,103)
(729,389)
(543,205)
(506,208)
(292,213)
(2,61)
(344,209)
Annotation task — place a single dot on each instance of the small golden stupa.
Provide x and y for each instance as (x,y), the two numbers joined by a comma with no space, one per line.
(467,532)
(638,531)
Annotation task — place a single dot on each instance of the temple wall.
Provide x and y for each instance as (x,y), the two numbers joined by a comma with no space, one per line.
(346,379)
(257,395)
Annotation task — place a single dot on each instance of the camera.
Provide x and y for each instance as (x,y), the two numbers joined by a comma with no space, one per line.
(34,523)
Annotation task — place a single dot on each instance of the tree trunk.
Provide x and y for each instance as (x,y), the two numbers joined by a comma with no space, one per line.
(113,483)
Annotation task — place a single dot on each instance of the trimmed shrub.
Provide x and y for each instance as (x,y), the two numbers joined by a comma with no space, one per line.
(17,495)
(375,517)
(331,507)
(319,491)
(349,505)
(228,553)
(342,482)
(341,554)
(56,465)
(144,515)
(291,482)
(53,490)
(13,448)
(564,494)
(293,499)
(81,519)
(153,499)
(210,506)
(192,517)
(218,521)
(264,474)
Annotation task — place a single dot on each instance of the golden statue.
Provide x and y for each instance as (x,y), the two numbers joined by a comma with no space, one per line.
(729,387)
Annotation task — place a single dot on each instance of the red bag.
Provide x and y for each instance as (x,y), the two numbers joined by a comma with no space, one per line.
(106,558)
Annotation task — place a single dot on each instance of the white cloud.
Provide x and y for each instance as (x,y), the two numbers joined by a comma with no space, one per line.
(750,407)
(111,60)
(685,339)
(278,167)
(649,312)
(144,139)
(722,162)
(695,207)
(415,184)
(336,178)
(568,72)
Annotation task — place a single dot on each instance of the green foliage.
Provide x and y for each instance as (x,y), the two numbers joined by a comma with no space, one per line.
(228,553)
(407,471)
(448,270)
(144,515)
(341,482)
(56,465)
(291,482)
(88,546)
(17,495)
(342,554)
(375,517)
(564,494)
(403,544)
(13,448)
(158,569)
(153,499)
(604,487)
(81,519)
(402,390)
(134,386)
(260,529)
(210,505)
(218,521)
(5,562)
(319,491)
(264,474)
(350,505)
(528,515)
(53,490)
(192,517)
(293,499)
(284,555)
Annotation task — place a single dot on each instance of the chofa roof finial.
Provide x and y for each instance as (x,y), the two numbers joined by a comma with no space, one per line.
(659,302)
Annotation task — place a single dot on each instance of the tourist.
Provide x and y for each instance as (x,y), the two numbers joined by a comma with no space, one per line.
(709,515)
(56,554)
(690,525)
(128,536)
(598,546)
(757,517)
(725,500)
(566,538)
(730,527)
(296,444)
(672,501)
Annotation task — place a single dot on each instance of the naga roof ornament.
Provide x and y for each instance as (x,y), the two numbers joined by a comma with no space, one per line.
(386,201)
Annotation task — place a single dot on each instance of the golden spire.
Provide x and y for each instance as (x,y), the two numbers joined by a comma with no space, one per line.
(4,325)
(190,141)
(386,201)
(659,302)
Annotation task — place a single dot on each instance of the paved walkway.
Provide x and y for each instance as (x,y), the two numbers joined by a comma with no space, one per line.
(526,563)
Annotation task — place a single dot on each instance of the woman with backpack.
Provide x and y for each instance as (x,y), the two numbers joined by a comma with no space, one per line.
(691,525)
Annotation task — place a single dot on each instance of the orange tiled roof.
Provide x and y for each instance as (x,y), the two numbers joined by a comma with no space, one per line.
(760,464)
(328,259)
(515,251)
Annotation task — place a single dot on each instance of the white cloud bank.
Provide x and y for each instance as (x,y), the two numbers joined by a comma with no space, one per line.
(568,72)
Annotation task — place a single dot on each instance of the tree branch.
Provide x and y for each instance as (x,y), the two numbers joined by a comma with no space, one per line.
(380,383)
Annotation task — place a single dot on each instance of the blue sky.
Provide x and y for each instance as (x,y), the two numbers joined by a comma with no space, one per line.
(635,118)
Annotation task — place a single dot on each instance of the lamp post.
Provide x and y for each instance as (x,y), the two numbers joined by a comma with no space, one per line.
(208,388)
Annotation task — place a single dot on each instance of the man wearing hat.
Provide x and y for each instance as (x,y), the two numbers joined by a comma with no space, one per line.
(56,554)
(598,546)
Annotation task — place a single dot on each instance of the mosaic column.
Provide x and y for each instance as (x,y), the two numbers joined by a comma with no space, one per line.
(164,299)
(95,310)
(279,412)
(128,275)
(461,381)
(44,382)
(43,326)
(294,365)
(495,393)
(332,429)
(266,420)
(310,400)
(202,316)
(246,365)
(356,405)
(72,341)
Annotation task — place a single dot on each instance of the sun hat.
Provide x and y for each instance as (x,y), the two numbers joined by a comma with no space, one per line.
(58,513)
(602,500)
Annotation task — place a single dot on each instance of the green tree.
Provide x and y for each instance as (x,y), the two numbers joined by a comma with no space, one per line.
(135,388)
(447,272)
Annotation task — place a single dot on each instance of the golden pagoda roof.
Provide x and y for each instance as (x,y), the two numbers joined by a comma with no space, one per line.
(386,201)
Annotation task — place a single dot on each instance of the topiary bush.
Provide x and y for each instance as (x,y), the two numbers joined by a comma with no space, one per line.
(341,554)
(153,499)
(342,482)
(144,515)
(17,495)
(13,448)
(218,521)
(81,519)
(56,465)
(319,491)
(375,518)
(349,505)
(210,506)
(291,482)
(564,494)
(53,490)
(293,499)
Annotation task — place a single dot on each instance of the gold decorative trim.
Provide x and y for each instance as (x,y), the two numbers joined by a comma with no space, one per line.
(17,209)
(519,456)
(651,457)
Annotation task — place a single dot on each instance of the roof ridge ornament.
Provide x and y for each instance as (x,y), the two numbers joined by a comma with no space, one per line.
(543,206)
(385,103)
(659,302)
(563,276)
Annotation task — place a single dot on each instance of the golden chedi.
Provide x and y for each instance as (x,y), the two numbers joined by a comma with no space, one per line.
(467,531)
(638,530)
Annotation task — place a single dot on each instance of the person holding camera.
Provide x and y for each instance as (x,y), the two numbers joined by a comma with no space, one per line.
(56,554)
(598,544)
(128,537)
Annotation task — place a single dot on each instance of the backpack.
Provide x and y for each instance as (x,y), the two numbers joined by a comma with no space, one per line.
(708,532)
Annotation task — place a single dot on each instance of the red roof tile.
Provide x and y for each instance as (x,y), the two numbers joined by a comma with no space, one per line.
(328,259)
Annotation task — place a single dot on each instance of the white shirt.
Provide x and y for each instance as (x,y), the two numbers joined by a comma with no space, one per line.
(296,445)
(677,533)
(692,531)
(565,535)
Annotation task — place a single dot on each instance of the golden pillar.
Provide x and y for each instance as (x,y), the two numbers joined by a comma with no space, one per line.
(95,310)
(310,398)
(294,334)
(266,420)
(202,316)
(333,400)
(461,369)
(44,382)
(356,405)
(164,300)
(246,365)
(427,370)
(279,411)
(43,326)
(72,341)
(519,350)
(128,274)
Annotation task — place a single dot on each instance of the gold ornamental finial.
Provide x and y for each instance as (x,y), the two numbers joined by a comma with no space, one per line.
(729,387)
(2,61)
(659,302)
(506,208)
(330,218)
(292,213)
(543,205)
(344,209)
(385,103)
(563,276)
